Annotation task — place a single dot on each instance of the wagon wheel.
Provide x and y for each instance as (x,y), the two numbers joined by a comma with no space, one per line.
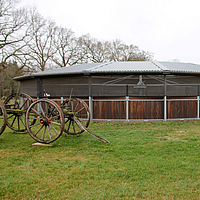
(49,121)
(75,108)
(16,106)
(3,118)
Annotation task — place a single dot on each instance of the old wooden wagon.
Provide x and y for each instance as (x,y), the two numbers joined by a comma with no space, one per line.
(43,118)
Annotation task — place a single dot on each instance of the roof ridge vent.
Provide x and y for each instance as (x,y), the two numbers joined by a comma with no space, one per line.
(159,65)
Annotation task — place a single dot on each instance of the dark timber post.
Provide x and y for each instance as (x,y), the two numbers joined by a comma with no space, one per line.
(39,88)
(90,98)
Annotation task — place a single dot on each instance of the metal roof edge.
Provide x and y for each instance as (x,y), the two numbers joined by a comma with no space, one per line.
(23,77)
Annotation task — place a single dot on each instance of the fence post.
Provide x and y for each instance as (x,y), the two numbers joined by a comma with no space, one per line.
(165,97)
(165,108)
(90,97)
(127,108)
(91,106)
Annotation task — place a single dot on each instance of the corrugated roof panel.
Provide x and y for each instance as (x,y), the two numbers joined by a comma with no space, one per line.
(121,67)
(182,67)
(127,67)
(69,69)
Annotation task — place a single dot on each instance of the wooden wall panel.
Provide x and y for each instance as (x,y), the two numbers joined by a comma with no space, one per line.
(182,109)
(109,109)
(146,109)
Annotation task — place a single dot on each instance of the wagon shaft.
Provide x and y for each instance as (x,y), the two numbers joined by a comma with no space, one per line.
(94,135)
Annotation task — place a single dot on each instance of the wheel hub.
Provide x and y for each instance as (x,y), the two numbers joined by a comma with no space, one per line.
(44,121)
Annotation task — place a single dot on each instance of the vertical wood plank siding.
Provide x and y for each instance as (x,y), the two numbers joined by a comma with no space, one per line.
(109,109)
(146,109)
(182,108)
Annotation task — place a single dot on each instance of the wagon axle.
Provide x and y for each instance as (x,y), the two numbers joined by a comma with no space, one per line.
(44,121)
(17,112)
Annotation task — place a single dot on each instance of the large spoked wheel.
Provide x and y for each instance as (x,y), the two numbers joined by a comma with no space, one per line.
(49,121)
(75,108)
(16,106)
(3,118)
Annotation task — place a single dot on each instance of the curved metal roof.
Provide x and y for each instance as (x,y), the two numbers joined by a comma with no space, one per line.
(136,67)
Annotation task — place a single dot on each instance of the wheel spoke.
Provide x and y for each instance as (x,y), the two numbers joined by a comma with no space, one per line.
(74,127)
(13,120)
(18,123)
(24,104)
(67,120)
(22,121)
(34,117)
(52,112)
(54,129)
(36,112)
(10,116)
(44,132)
(39,130)
(56,123)
(69,125)
(76,106)
(43,114)
(35,125)
(80,110)
(49,132)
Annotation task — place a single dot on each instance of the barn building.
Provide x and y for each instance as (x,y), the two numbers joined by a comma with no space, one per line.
(127,91)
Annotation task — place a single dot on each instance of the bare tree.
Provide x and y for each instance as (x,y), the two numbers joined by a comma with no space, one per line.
(132,53)
(67,46)
(40,49)
(122,52)
(95,50)
(6,6)
(13,33)
(116,50)
(13,29)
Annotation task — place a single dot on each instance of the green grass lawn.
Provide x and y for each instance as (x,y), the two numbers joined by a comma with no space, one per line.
(142,161)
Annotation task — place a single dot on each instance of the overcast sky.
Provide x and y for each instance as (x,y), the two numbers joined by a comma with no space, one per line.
(168,28)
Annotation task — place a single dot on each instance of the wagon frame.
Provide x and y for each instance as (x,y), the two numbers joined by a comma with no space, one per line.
(44,119)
